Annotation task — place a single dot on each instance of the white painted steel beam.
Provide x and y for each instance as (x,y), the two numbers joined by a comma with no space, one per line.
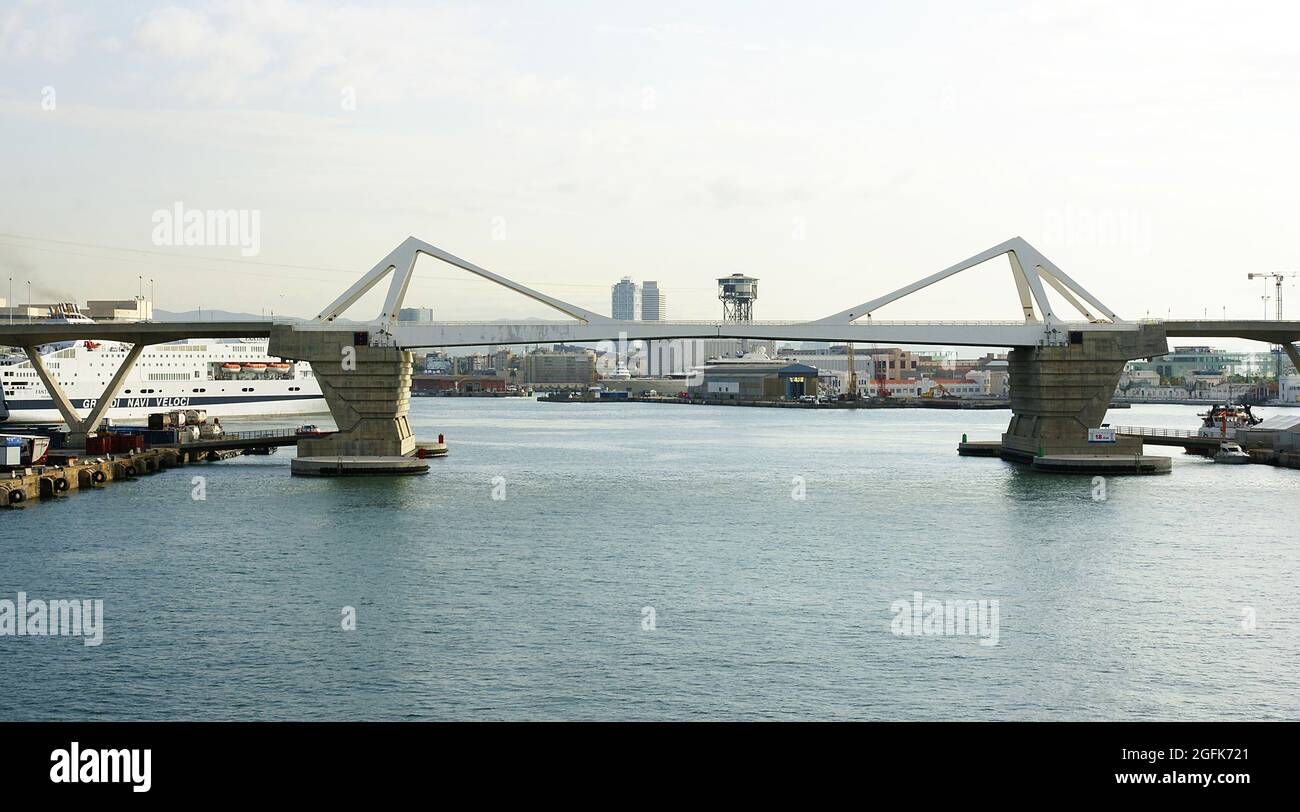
(1022,289)
(402,261)
(76,424)
(1028,268)
(869,307)
(96,416)
(1065,292)
(57,394)
(992,334)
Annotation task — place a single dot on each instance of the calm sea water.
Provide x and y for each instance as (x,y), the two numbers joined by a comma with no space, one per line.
(764,606)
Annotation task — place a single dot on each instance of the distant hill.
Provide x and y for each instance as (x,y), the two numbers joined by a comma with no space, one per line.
(211,315)
(226,315)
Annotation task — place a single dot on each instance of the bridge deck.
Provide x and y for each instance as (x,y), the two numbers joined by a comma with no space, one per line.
(1171,437)
(244,440)
(447,334)
(18,334)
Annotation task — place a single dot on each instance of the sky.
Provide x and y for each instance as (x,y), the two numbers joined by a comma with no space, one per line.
(836,151)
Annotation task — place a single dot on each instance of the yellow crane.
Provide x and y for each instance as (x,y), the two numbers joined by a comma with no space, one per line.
(853,375)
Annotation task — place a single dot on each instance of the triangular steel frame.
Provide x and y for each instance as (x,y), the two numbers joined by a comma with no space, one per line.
(1029,287)
(401,263)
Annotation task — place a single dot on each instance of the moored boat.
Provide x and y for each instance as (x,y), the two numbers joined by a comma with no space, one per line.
(1231,454)
(227,377)
(1222,422)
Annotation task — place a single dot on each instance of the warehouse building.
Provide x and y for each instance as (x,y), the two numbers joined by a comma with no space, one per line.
(1281,433)
(755,378)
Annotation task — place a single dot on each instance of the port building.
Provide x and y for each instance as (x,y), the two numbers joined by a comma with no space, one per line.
(756,377)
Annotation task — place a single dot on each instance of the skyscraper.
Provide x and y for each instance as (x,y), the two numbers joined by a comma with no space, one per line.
(654,305)
(625,297)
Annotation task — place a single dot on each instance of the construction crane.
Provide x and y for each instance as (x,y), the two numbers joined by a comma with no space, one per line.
(1277,285)
(1278,278)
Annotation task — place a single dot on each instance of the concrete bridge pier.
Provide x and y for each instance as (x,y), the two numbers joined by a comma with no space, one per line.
(368,391)
(1058,393)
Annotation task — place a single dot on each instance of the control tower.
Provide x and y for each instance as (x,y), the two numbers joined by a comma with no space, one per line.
(737,294)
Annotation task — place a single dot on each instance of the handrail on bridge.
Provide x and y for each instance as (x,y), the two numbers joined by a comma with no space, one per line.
(258,435)
(768,323)
(1145,431)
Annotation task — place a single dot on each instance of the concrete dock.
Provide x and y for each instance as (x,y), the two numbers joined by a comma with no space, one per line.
(1071,463)
(1102,464)
(72,473)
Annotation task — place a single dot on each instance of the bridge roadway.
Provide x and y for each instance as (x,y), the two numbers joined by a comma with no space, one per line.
(1179,438)
(409,335)
(245,440)
(20,334)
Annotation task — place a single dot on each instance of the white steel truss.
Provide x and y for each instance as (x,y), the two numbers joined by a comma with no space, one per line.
(401,262)
(78,426)
(1030,270)
(1029,286)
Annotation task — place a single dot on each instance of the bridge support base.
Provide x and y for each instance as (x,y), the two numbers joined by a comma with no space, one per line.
(358,466)
(1059,393)
(368,390)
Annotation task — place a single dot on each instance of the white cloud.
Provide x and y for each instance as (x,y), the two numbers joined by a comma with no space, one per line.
(281,51)
(42,30)
(174,33)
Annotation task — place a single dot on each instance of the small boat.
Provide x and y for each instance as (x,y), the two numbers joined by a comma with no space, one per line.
(1231,454)
(255,367)
(231,367)
(280,367)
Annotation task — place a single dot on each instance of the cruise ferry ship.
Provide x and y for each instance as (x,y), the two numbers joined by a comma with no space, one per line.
(226,377)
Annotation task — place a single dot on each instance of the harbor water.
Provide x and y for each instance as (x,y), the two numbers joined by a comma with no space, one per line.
(643,561)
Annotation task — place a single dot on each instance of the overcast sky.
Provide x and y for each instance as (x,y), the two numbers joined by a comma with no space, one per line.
(834,150)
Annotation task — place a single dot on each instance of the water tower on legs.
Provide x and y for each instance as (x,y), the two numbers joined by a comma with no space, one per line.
(737,294)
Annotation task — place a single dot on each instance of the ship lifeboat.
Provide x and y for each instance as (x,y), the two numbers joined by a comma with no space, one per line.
(231,367)
(280,367)
(255,367)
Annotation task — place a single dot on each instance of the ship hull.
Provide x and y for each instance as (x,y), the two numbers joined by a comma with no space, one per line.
(44,411)
(224,378)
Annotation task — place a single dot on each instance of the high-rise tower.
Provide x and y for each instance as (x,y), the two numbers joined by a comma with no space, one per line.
(654,305)
(624,299)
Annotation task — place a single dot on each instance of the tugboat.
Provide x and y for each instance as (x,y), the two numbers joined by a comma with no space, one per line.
(1222,422)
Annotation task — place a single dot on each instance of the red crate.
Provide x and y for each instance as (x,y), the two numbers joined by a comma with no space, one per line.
(126,443)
